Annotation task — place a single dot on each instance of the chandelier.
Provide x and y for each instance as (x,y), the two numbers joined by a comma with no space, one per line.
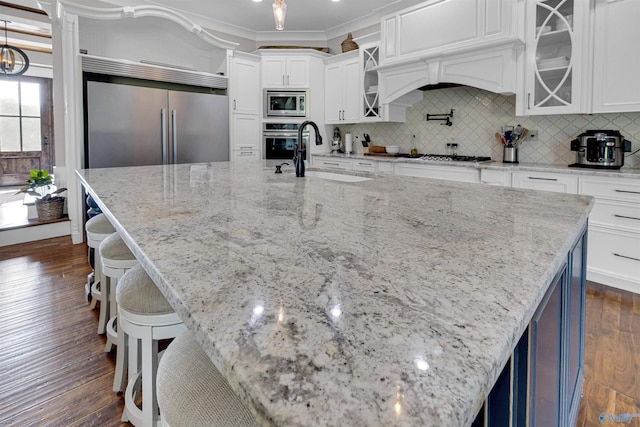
(13,61)
(279,13)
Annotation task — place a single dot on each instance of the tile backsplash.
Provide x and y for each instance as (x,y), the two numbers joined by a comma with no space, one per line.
(480,114)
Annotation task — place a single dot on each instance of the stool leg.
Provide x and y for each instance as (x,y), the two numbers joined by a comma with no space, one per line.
(149,370)
(104,305)
(121,361)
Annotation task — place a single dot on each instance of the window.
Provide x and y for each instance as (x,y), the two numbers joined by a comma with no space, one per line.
(20,115)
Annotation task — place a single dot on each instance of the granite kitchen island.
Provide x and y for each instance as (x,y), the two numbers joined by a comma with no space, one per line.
(389,301)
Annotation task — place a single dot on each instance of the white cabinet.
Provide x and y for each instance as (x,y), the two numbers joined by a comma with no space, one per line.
(370,98)
(244,95)
(556,33)
(614,231)
(616,61)
(546,181)
(245,136)
(244,85)
(435,26)
(451,173)
(285,72)
(332,162)
(495,177)
(342,89)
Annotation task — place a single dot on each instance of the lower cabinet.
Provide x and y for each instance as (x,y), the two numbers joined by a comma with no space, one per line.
(245,137)
(541,384)
(545,181)
(451,173)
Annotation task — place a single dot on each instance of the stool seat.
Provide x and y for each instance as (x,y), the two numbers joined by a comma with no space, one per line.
(115,253)
(192,392)
(144,318)
(140,295)
(98,228)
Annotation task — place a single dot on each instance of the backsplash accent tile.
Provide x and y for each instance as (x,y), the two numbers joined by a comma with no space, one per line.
(479,115)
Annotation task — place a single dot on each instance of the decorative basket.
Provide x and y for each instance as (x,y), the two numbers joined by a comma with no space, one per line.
(348,44)
(50,209)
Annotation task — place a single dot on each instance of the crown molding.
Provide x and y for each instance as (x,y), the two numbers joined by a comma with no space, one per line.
(262,36)
(127,12)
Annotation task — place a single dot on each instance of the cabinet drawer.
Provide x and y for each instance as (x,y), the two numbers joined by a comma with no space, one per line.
(245,154)
(495,177)
(364,165)
(544,181)
(332,163)
(614,252)
(619,189)
(451,173)
(616,214)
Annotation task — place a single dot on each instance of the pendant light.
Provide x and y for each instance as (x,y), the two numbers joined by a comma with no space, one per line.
(8,64)
(279,13)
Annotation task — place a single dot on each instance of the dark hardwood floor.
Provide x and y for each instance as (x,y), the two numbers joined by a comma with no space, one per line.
(53,371)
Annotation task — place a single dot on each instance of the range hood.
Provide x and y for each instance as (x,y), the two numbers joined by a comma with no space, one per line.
(491,66)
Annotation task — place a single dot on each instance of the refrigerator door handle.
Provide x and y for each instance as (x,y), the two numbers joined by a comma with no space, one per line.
(174,133)
(163,133)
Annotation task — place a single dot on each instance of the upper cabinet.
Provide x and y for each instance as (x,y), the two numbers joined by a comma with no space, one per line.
(554,65)
(342,89)
(616,61)
(244,84)
(370,59)
(285,72)
(437,26)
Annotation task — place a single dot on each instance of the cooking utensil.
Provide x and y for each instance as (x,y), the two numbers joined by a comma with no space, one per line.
(499,138)
(521,138)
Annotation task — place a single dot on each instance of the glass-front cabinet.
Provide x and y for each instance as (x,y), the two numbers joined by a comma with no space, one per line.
(371,110)
(554,56)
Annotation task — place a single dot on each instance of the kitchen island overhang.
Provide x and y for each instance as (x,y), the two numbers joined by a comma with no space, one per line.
(394,301)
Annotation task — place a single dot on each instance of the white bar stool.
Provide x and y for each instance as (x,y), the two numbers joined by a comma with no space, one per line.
(192,392)
(116,259)
(144,318)
(98,228)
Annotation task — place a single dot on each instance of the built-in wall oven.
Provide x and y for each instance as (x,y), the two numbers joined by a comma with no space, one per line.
(280,140)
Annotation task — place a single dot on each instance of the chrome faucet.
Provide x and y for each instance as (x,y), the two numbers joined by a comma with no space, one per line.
(298,156)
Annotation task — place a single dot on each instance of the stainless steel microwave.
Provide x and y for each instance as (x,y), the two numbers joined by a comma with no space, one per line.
(286,103)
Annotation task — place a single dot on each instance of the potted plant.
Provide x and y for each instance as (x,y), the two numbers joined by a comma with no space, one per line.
(49,204)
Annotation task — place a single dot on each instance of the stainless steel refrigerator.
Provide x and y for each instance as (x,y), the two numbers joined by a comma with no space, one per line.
(133,126)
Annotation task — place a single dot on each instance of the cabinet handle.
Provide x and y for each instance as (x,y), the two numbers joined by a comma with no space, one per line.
(246,147)
(331,164)
(626,257)
(627,191)
(543,179)
(365,164)
(626,217)
(283,80)
(288,80)
(234,104)
(246,153)
(529,101)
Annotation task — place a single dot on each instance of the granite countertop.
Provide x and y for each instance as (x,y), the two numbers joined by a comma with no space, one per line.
(624,172)
(383,302)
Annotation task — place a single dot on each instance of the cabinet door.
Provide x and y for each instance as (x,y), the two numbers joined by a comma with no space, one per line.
(576,298)
(245,136)
(297,73)
(273,72)
(333,93)
(245,86)
(546,358)
(616,86)
(555,30)
(351,91)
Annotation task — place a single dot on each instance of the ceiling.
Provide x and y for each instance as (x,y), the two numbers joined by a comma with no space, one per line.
(257,17)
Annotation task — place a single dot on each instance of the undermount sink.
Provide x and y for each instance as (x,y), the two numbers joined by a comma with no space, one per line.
(336,176)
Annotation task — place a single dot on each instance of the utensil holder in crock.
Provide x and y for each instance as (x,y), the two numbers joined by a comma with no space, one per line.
(509,154)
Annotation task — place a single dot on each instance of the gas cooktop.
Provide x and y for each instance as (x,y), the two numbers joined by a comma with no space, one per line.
(448,158)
